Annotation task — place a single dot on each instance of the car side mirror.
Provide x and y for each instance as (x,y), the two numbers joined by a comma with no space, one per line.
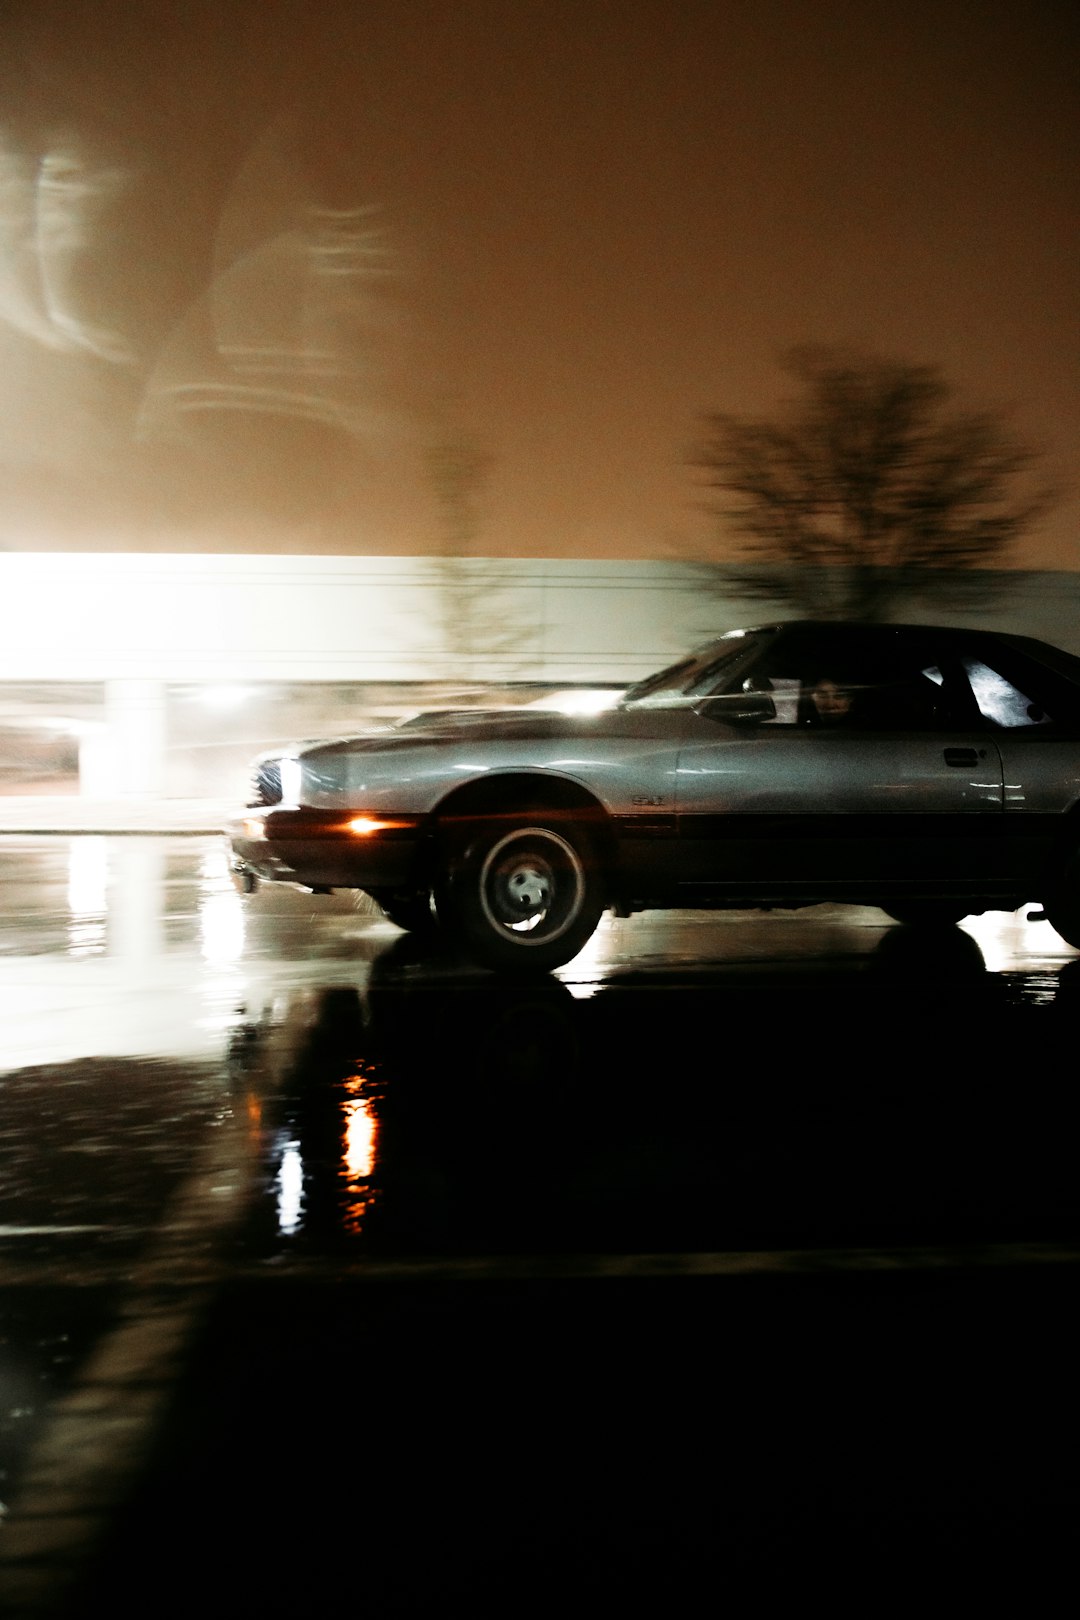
(738,708)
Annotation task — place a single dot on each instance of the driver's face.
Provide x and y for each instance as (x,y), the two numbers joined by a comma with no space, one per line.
(830,700)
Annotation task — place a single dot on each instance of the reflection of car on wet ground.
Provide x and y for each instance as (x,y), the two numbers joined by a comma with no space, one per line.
(492,1113)
(932,772)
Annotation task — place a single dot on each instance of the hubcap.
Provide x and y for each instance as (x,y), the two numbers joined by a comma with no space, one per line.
(525,890)
(532,884)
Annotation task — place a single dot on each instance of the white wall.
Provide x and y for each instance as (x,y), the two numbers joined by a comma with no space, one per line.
(183,617)
(107,616)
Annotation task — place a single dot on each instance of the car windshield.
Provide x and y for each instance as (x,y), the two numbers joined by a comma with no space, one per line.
(698,672)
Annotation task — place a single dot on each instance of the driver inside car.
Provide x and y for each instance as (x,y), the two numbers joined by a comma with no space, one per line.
(831,702)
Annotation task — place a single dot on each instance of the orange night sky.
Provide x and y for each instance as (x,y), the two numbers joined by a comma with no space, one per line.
(255,258)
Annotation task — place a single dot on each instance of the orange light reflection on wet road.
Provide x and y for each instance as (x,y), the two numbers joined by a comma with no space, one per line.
(360,1150)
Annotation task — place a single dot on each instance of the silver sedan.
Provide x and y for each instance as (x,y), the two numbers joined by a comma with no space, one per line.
(929,771)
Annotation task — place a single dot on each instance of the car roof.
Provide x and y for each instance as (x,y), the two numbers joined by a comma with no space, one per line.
(875,625)
(1047,653)
(965,632)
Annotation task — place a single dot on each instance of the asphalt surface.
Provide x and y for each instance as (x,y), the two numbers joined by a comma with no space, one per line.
(735,1263)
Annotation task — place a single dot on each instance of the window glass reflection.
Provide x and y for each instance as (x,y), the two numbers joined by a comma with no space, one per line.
(999,700)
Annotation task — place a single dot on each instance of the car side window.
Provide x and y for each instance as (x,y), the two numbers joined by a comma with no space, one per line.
(862,700)
(1000,702)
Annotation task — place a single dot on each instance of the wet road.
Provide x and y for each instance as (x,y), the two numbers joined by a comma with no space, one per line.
(744,1244)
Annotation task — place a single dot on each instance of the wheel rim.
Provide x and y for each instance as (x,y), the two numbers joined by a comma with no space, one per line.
(532,886)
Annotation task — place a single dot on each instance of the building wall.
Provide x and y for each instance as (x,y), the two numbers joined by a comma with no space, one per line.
(220,618)
(105,616)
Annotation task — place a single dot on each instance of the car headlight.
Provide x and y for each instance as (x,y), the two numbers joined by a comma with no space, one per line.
(290,779)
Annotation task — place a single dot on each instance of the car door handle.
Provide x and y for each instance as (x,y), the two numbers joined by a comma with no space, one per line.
(964,756)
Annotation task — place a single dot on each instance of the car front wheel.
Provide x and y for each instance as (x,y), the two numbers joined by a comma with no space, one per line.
(524,895)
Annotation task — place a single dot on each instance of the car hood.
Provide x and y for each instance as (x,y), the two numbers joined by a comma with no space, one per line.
(496,725)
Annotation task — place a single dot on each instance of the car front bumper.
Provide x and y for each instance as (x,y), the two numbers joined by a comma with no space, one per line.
(323,849)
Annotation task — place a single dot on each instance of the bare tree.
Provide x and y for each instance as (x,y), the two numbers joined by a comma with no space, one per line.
(870,487)
(482,631)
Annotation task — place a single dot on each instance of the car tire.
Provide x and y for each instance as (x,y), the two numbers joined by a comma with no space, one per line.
(412,912)
(523,895)
(926,913)
(1062,905)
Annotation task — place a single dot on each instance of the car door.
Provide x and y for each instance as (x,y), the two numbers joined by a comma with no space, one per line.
(905,794)
(1034,717)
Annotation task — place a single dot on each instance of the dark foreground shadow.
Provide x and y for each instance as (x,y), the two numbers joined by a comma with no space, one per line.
(904,1097)
(494,1361)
